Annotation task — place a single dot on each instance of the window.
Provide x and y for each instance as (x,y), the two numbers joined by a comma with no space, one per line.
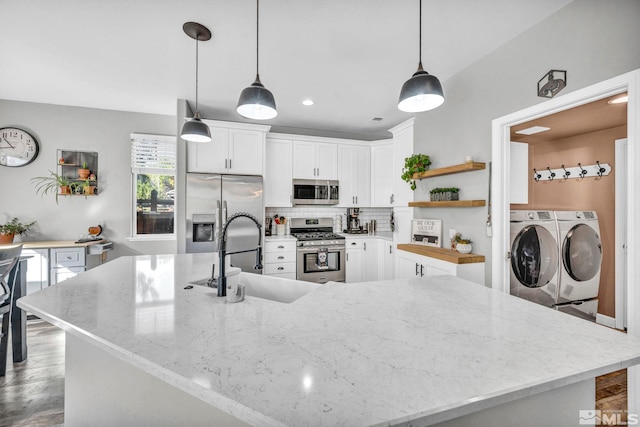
(153,165)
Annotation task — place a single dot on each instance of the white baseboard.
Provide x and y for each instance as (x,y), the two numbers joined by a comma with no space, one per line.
(601,319)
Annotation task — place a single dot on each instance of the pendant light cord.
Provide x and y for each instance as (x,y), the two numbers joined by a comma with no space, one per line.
(420,39)
(197,39)
(257,36)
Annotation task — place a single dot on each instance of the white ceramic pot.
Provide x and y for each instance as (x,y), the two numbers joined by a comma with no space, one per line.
(464,248)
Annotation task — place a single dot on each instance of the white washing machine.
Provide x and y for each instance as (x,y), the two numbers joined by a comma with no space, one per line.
(580,255)
(534,256)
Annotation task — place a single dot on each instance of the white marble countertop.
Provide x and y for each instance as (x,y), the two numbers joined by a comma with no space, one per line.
(277,238)
(359,354)
(384,235)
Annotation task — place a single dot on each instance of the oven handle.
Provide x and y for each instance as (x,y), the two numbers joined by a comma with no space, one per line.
(329,248)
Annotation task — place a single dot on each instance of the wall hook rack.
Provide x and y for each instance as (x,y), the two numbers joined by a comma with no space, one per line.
(536,175)
(597,170)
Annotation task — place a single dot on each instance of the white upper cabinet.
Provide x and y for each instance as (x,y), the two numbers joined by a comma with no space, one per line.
(232,150)
(315,160)
(354,174)
(382,175)
(519,174)
(278,173)
(403,148)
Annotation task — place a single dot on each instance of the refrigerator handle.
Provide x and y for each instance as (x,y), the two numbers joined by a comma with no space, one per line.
(218,229)
(224,211)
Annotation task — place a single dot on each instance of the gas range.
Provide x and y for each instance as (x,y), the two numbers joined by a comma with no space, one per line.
(315,232)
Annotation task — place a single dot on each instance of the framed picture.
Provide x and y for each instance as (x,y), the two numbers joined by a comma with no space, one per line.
(427,232)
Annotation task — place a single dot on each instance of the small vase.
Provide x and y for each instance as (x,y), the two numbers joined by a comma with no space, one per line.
(83,173)
(464,248)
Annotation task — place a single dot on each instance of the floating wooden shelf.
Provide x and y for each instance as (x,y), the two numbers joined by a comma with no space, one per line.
(448,204)
(441,253)
(465,167)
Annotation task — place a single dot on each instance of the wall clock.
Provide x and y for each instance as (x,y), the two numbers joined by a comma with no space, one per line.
(17,147)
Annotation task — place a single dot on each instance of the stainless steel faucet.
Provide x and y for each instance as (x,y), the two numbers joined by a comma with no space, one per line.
(222,253)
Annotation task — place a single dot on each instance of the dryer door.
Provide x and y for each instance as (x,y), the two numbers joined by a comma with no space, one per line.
(582,253)
(534,256)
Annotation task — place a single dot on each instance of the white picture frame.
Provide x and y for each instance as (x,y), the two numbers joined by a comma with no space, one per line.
(426,232)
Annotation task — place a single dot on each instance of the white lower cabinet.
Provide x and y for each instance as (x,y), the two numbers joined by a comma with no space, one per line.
(66,263)
(37,268)
(385,260)
(280,259)
(362,259)
(410,265)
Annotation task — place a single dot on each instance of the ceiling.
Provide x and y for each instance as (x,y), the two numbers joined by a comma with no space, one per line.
(591,117)
(350,56)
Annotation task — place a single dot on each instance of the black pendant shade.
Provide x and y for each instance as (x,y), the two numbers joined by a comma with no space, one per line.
(423,91)
(256,101)
(195,129)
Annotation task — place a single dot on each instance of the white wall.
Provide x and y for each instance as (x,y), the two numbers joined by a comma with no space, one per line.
(592,39)
(84,129)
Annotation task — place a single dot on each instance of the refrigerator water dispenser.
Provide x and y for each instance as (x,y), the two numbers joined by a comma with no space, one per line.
(203,227)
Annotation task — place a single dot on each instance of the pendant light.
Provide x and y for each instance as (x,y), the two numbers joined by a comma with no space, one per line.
(195,129)
(422,92)
(256,101)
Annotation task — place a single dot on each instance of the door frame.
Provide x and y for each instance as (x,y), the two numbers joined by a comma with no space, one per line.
(621,233)
(629,82)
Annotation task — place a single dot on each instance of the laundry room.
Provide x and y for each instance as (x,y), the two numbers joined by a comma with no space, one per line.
(571,170)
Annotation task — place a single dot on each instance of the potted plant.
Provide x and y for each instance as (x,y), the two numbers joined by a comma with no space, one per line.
(83,172)
(88,188)
(461,244)
(11,228)
(444,194)
(54,183)
(417,163)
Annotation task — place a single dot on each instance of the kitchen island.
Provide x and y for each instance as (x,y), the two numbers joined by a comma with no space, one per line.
(143,350)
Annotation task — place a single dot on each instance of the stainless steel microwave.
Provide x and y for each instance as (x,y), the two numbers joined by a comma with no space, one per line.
(315,192)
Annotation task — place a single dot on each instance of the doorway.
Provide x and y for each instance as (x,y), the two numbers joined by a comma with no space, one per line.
(629,82)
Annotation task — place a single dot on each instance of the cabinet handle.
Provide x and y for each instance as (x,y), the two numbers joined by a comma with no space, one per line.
(353,243)
(229,163)
(417,269)
(280,257)
(390,249)
(365,246)
(318,171)
(391,199)
(225,163)
(347,257)
(421,270)
(280,247)
(280,268)
(356,200)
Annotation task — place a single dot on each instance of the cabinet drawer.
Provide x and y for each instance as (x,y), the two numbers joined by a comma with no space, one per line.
(68,257)
(280,246)
(354,244)
(279,268)
(279,257)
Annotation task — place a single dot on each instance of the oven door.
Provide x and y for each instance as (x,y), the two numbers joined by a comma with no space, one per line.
(310,270)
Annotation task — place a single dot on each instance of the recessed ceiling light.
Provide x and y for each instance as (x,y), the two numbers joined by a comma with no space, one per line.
(307,102)
(619,99)
(532,130)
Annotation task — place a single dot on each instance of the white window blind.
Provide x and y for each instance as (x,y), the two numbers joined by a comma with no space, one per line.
(153,154)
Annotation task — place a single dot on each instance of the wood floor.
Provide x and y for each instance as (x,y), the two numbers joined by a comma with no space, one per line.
(32,392)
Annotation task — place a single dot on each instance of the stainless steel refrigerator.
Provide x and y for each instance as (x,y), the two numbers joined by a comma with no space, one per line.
(211,199)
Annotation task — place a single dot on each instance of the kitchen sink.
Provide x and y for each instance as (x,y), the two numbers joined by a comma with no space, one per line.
(267,287)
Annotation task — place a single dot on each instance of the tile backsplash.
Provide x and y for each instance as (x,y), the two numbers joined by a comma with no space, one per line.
(381,215)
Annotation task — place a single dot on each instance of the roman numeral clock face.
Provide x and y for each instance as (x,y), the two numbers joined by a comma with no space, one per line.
(17,147)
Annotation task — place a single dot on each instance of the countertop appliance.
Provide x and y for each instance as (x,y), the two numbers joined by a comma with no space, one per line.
(211,199)
(353,222)
(320,253)
(315,192)
(534,256)
(580,250)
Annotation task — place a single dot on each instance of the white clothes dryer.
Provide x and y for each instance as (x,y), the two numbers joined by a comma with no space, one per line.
(580,254)
(534,256)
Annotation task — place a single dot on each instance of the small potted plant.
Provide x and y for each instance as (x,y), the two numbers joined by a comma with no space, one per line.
(417,163)
(13,227)
(88,188)
(461,244)
(444,194)
(54,183)
(83,172)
